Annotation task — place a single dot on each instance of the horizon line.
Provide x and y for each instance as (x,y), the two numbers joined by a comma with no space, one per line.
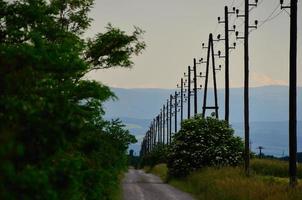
(163,88)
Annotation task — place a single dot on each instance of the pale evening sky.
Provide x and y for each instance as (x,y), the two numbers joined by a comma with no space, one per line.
(175,30)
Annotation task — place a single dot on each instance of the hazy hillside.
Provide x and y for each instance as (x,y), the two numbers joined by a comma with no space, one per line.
(266,103)
(268,113)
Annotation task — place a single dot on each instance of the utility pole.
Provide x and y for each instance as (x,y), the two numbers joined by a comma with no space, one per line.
(158,129)
(212,55)
(170,132)
(189,91)
(151,133)
(227,58)
(181,99)
(195,86)
(175,110)
(246,89)
(149,140)
(246,81)
(260,150)
(163,120)
(227,86)
(292,92)
(160,126)
(167,121)
(154,132)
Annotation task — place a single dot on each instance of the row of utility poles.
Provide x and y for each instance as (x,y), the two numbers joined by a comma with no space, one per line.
(156,134)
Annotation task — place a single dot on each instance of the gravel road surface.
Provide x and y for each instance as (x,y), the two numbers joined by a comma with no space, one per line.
(139,185)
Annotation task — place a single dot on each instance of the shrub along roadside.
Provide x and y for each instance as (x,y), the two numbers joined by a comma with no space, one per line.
(203,142)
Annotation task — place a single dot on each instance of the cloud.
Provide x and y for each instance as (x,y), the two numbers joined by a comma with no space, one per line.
(265,80)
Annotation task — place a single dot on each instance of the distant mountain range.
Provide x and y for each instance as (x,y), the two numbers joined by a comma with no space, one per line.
(268,113)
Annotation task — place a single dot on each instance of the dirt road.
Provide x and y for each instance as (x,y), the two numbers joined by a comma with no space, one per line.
(139,185)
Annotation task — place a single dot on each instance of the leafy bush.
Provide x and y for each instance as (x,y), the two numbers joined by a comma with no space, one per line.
(156,156)
(203,142)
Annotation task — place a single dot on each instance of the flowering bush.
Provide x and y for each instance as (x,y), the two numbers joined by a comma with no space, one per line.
(203,142)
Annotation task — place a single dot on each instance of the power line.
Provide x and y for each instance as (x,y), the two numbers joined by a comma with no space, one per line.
(232,3)
(270,17)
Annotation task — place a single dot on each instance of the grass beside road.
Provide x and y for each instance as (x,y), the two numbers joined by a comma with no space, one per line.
(118,193)
(268,182)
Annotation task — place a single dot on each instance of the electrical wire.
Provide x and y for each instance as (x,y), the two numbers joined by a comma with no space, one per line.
(232,3)
(259,4)
(270,17)
(239,5)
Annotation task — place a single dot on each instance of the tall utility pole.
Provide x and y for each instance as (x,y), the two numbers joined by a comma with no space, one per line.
(157,129)
(227,85)
(292,92)
(246,81)
(181,93)
(160,126)
(227,60)
(181,99)
(189,92)
(210,55)
(175,114)
(170,118)
(154,133)
(149,141)
(246,88)
(164,124)
(152,136)
(167,107)
(195,86)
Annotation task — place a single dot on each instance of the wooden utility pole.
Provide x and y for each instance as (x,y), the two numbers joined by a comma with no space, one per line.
(227,85)
(189,92)
(154,132)
(167,107)
(181,99)
(292,92)
(246,89)
(175,110)
(170,118)
(246,82)
(227,59)
(195,86)
(163,120)
(210,58)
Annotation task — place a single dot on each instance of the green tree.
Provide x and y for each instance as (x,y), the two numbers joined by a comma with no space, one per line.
(54,143)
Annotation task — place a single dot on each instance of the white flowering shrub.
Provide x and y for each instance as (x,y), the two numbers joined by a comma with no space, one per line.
(203,142)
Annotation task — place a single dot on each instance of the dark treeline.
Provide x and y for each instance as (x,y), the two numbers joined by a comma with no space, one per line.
(54,143)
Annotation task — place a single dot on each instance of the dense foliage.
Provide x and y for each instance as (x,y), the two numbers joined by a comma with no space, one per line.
(156,156)
(54,143)
(203,142)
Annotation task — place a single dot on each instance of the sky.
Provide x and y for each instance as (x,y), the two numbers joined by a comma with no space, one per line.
(175,30)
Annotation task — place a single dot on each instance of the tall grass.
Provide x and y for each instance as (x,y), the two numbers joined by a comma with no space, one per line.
(117,194)
(231,183)
(272,167)
(160,170)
